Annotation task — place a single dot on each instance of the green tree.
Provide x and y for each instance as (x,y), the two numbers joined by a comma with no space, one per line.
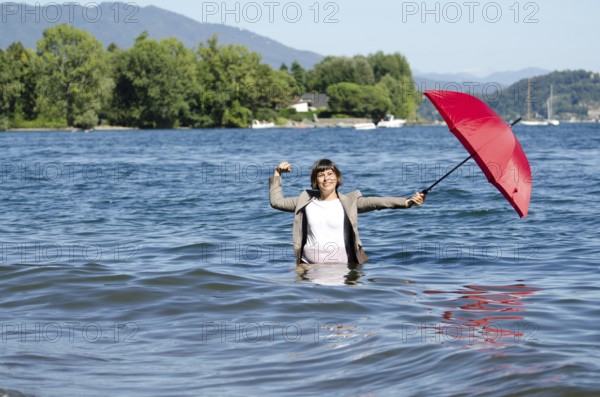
(7,80)
(235,86)
(113,56)
(223,74)
(333,70)
(5,91)
(274,89)
(359,101)
(394,65)
(393,74)
(300,75)
(402,94)
(73,76)
(28,64)
(236,115)
(154,83)
(17,85)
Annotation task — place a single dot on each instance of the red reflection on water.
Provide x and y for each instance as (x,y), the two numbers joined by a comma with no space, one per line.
(480,313)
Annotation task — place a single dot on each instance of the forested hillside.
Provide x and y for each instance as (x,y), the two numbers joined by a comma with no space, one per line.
(71,80)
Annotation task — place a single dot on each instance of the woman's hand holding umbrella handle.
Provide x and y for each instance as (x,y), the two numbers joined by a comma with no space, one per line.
(417,199)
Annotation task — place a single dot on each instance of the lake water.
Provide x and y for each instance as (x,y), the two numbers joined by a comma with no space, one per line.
(150,263)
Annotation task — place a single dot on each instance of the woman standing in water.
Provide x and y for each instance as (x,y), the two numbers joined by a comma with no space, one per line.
(325,221)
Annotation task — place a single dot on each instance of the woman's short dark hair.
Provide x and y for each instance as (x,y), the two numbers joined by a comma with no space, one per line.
(322,166)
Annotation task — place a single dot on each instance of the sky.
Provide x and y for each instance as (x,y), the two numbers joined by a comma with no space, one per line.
(477,37)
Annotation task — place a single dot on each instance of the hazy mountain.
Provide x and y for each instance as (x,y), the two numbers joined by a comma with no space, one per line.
(121,23)
(470,83)
(446,77)
(575,95)
(511,77)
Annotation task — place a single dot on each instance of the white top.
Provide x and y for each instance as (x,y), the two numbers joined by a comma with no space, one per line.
(325,238)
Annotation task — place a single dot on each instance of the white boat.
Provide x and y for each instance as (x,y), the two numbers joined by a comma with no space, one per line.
(534,122)
(261,125)
(365,126)
(391,122)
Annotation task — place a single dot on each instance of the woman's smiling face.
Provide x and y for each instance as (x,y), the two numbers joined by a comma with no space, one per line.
(327,181)
(326,176)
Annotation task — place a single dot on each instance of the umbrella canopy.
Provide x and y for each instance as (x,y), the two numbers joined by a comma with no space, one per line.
(490,141)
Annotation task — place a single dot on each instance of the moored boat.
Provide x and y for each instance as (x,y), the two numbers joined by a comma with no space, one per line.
(260,125)
(365,126)
(391,122)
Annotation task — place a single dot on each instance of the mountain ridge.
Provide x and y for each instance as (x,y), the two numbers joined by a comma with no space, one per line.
(576,96)
(121,23)
(500,79)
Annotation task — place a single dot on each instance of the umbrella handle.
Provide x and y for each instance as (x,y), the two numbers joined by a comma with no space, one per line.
(411,203)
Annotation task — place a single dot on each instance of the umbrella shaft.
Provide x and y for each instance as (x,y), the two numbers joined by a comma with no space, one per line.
(448,174)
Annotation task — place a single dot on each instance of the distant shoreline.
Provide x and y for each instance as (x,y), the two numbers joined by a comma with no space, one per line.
(330,123)
(67,129)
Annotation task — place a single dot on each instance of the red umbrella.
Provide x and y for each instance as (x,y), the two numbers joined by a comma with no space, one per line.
(490,141)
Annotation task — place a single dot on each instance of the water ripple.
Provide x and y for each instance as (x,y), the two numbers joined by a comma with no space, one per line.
(154,265)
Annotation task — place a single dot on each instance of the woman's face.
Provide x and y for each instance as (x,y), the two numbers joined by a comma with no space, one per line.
(327,181)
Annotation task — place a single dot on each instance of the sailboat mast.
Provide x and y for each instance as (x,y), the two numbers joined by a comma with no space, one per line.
(529,99)
(549,104)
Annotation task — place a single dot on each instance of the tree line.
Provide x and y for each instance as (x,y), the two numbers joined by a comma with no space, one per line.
(574,94)
(71,80)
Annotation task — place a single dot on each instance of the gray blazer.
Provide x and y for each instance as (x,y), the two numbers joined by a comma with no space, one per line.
(353,204)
